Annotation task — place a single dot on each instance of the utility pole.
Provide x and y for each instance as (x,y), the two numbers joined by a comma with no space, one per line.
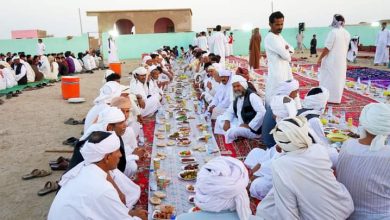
(81,24)
(272,6)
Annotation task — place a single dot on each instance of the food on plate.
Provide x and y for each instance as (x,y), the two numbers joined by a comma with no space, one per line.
(193,166)
(164,212)
(160,136)
(191,117)
(171,143)
(185,153)
(188,160)
(184,142)
(174,135)
(160,194)
(161,155)
(190,188)
(161,144)
(188,174)
(337,137)
(181,118)
(155,200)
(195,209)
(199,148)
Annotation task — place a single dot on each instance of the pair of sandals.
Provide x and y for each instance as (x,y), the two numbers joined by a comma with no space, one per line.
(72,141)
(61,163)
(50,186)
(72,121)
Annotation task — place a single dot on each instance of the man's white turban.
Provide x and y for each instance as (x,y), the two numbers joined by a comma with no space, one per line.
(241,80)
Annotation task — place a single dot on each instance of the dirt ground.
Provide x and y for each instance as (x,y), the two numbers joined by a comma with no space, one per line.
(31,124)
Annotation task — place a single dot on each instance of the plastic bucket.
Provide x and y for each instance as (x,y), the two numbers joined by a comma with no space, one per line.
(70,86)
(116,67)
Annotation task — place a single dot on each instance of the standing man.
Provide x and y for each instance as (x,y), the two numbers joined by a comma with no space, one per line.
(112,51)
(219,44)
(202,41)
(333,60)
(254,49)
(353,49)
(313,46)
(278,54)
(300,42)
(230,43)
(382,46)
(41,47)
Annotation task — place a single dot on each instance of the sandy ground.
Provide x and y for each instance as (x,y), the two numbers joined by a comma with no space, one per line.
(31,124)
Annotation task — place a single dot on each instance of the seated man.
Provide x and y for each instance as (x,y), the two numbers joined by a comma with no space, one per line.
(364,164)
(109,90)
(210,84)
(70,62)
(220,191)
(89,190)
(153,83)
(9,75)
(245,73)
(20,71)
(244,116)
(304,186)
(132,152)
(38,74)
(149,104)
(223,96)
(30,71)
(259,160)
(286,88)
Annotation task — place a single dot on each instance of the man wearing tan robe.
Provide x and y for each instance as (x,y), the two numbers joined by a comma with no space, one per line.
(254,49)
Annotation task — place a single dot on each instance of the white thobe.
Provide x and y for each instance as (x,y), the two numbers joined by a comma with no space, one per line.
(77,66)
(93,114)
(260,186)
(279,58)
(3,80)
(130,143)
(304,187)
(87,62)
(219,45)
(89,196)
(353,52)
(112,52)
(235,131)
(382,43)
(30,71)
(333,70)
(222,99)
(45,66)
(202,43)
(151,104)
(41,48)
(9,75)
(209,93)
(53,74)
(153,88)
(92,62)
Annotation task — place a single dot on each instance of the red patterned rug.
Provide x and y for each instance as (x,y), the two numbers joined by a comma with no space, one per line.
(142,178)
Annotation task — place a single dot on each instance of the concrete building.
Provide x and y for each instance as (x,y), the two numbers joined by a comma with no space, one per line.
(144,21)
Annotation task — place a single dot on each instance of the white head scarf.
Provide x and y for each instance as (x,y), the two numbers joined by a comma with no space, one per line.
(110,115)
(281,109)
(375,119)
(335,23)
(92,153)
(221,185)
(286,87)
(241,80)
(146,58)
(15,58)
(318,101)
(291,137)
(218,67)
(107,73)
(141,71)
(224,72)
(108,91)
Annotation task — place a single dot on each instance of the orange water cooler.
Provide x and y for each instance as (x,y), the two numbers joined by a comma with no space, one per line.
(70,86)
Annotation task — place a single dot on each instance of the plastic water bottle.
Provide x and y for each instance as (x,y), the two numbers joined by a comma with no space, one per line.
(342,120)
(358,81)
(330,113)
(152,180)
(141,137)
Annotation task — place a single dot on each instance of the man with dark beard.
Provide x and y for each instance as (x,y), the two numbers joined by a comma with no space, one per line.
(245,114)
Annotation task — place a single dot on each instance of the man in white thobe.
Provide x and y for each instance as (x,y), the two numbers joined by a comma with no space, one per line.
(210,85)
(223,95)
(9,75)
(112,51)
(30,72)
(41,47)
(382,46)
(245,114)
(259,160)
(278,54)
(89,190)
(304,185)
(149,103)
(299,38)
(219,44)
(333,60)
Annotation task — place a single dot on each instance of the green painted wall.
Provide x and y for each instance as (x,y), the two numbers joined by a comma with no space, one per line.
(132,46)
(53,45)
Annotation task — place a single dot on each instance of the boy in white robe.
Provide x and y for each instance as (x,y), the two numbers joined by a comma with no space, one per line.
(333,60)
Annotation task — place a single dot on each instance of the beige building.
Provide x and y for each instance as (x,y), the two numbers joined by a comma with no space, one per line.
(144,21)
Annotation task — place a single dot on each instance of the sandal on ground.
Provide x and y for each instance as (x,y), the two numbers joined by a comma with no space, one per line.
(59,160)
(60,166)
(50,186)
(70,141)
(36,173)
